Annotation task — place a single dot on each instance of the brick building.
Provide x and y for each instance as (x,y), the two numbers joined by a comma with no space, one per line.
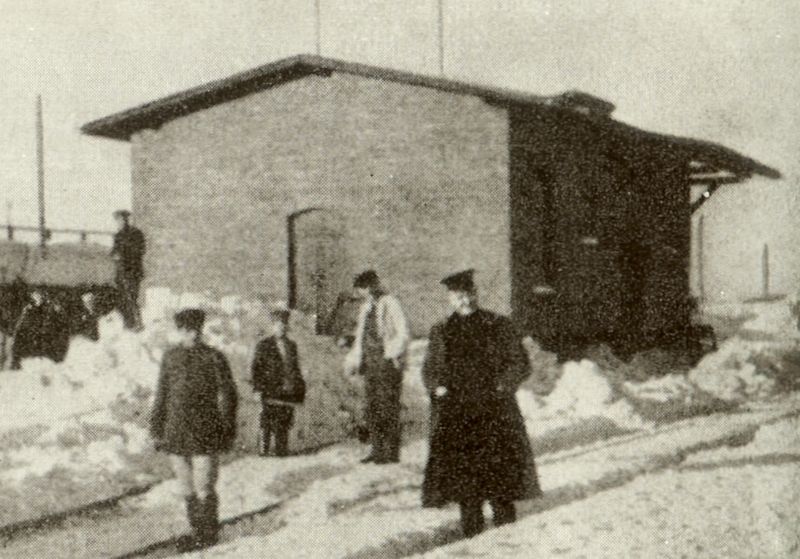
(285,180)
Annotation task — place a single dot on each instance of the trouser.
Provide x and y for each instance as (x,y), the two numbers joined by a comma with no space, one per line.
(128,297)
(276,421)
(197,477)
(383,386)
(472,521)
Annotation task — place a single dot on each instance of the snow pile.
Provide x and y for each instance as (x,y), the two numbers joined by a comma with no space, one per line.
(583,393)
(92,376)
(669,388)
(756,362)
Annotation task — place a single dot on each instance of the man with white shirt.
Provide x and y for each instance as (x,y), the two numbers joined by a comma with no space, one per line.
(378,353)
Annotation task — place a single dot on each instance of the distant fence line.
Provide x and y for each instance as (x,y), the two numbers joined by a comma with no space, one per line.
(83,234)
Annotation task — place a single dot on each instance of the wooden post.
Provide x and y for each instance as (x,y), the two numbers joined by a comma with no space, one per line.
(701,287)
(765,271)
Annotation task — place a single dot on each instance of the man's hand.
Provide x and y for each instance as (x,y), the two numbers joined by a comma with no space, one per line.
(440,391)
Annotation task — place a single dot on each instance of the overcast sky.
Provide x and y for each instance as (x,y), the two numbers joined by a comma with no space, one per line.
(724,70)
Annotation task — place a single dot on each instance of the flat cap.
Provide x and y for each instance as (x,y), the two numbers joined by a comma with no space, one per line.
(460,281)
(190,319)
(368,278)
(280,313)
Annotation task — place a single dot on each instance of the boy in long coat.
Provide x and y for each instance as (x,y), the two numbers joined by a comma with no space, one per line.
(378,353)
(276,375)
(479,449)
(194,420)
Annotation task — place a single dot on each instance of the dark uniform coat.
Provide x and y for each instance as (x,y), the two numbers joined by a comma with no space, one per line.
(128,250)
(479,449)
(274,378)
(195,403)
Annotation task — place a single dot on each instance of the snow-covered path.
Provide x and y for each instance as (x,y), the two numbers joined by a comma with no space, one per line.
(726,503)
(374,512)
(329,505)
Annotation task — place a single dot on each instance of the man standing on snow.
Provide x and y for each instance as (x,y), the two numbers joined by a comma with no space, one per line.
(128,253)
(479,449)
(194,420)
(378,353)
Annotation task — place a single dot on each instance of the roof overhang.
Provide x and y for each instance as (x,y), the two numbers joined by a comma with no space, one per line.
(705,162)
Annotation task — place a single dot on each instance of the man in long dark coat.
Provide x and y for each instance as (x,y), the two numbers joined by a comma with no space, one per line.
(277,377)
(194,420)
(479,449)
(128,253)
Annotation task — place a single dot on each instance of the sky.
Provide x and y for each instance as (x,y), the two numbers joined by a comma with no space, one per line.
(722,70)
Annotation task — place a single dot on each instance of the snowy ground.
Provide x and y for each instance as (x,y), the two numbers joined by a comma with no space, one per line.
(75,432)
(329,505)
(727,503)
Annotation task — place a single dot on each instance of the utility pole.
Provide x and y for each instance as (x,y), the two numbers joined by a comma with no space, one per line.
(440,33)
(317,28)
(40,173)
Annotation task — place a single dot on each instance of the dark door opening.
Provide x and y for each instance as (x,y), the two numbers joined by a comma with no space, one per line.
(319,268)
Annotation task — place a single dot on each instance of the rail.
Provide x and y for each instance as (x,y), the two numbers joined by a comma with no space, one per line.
(83,233)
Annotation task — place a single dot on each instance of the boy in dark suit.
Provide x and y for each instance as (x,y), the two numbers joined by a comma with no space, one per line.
(276,375)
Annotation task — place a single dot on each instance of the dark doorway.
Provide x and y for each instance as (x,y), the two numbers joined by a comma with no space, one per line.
(634,262)
(319,267)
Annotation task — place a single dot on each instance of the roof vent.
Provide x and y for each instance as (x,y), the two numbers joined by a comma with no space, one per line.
(584,103)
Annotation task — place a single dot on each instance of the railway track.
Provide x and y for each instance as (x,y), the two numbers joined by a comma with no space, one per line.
(267,519)
(32,527)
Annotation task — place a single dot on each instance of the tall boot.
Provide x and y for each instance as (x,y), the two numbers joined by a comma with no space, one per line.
(282,441)
(263,443)
(208,532)
(189,542)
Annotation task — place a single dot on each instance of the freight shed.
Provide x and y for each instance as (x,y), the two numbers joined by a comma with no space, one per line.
(285,180)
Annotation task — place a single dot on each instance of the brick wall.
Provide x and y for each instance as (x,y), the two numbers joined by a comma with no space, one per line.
(420,176)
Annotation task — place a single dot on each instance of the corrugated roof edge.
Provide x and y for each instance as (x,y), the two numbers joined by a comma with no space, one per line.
(121,125)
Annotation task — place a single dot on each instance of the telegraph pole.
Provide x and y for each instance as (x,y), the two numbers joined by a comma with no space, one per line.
(40,173)
(440,34)
(317,28)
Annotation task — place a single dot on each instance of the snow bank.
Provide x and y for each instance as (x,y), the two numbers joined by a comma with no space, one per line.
(582,394)
(92,376)
(752,364)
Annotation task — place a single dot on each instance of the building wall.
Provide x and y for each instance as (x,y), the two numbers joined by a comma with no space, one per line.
(619,226)
(557,151)
(419,176)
